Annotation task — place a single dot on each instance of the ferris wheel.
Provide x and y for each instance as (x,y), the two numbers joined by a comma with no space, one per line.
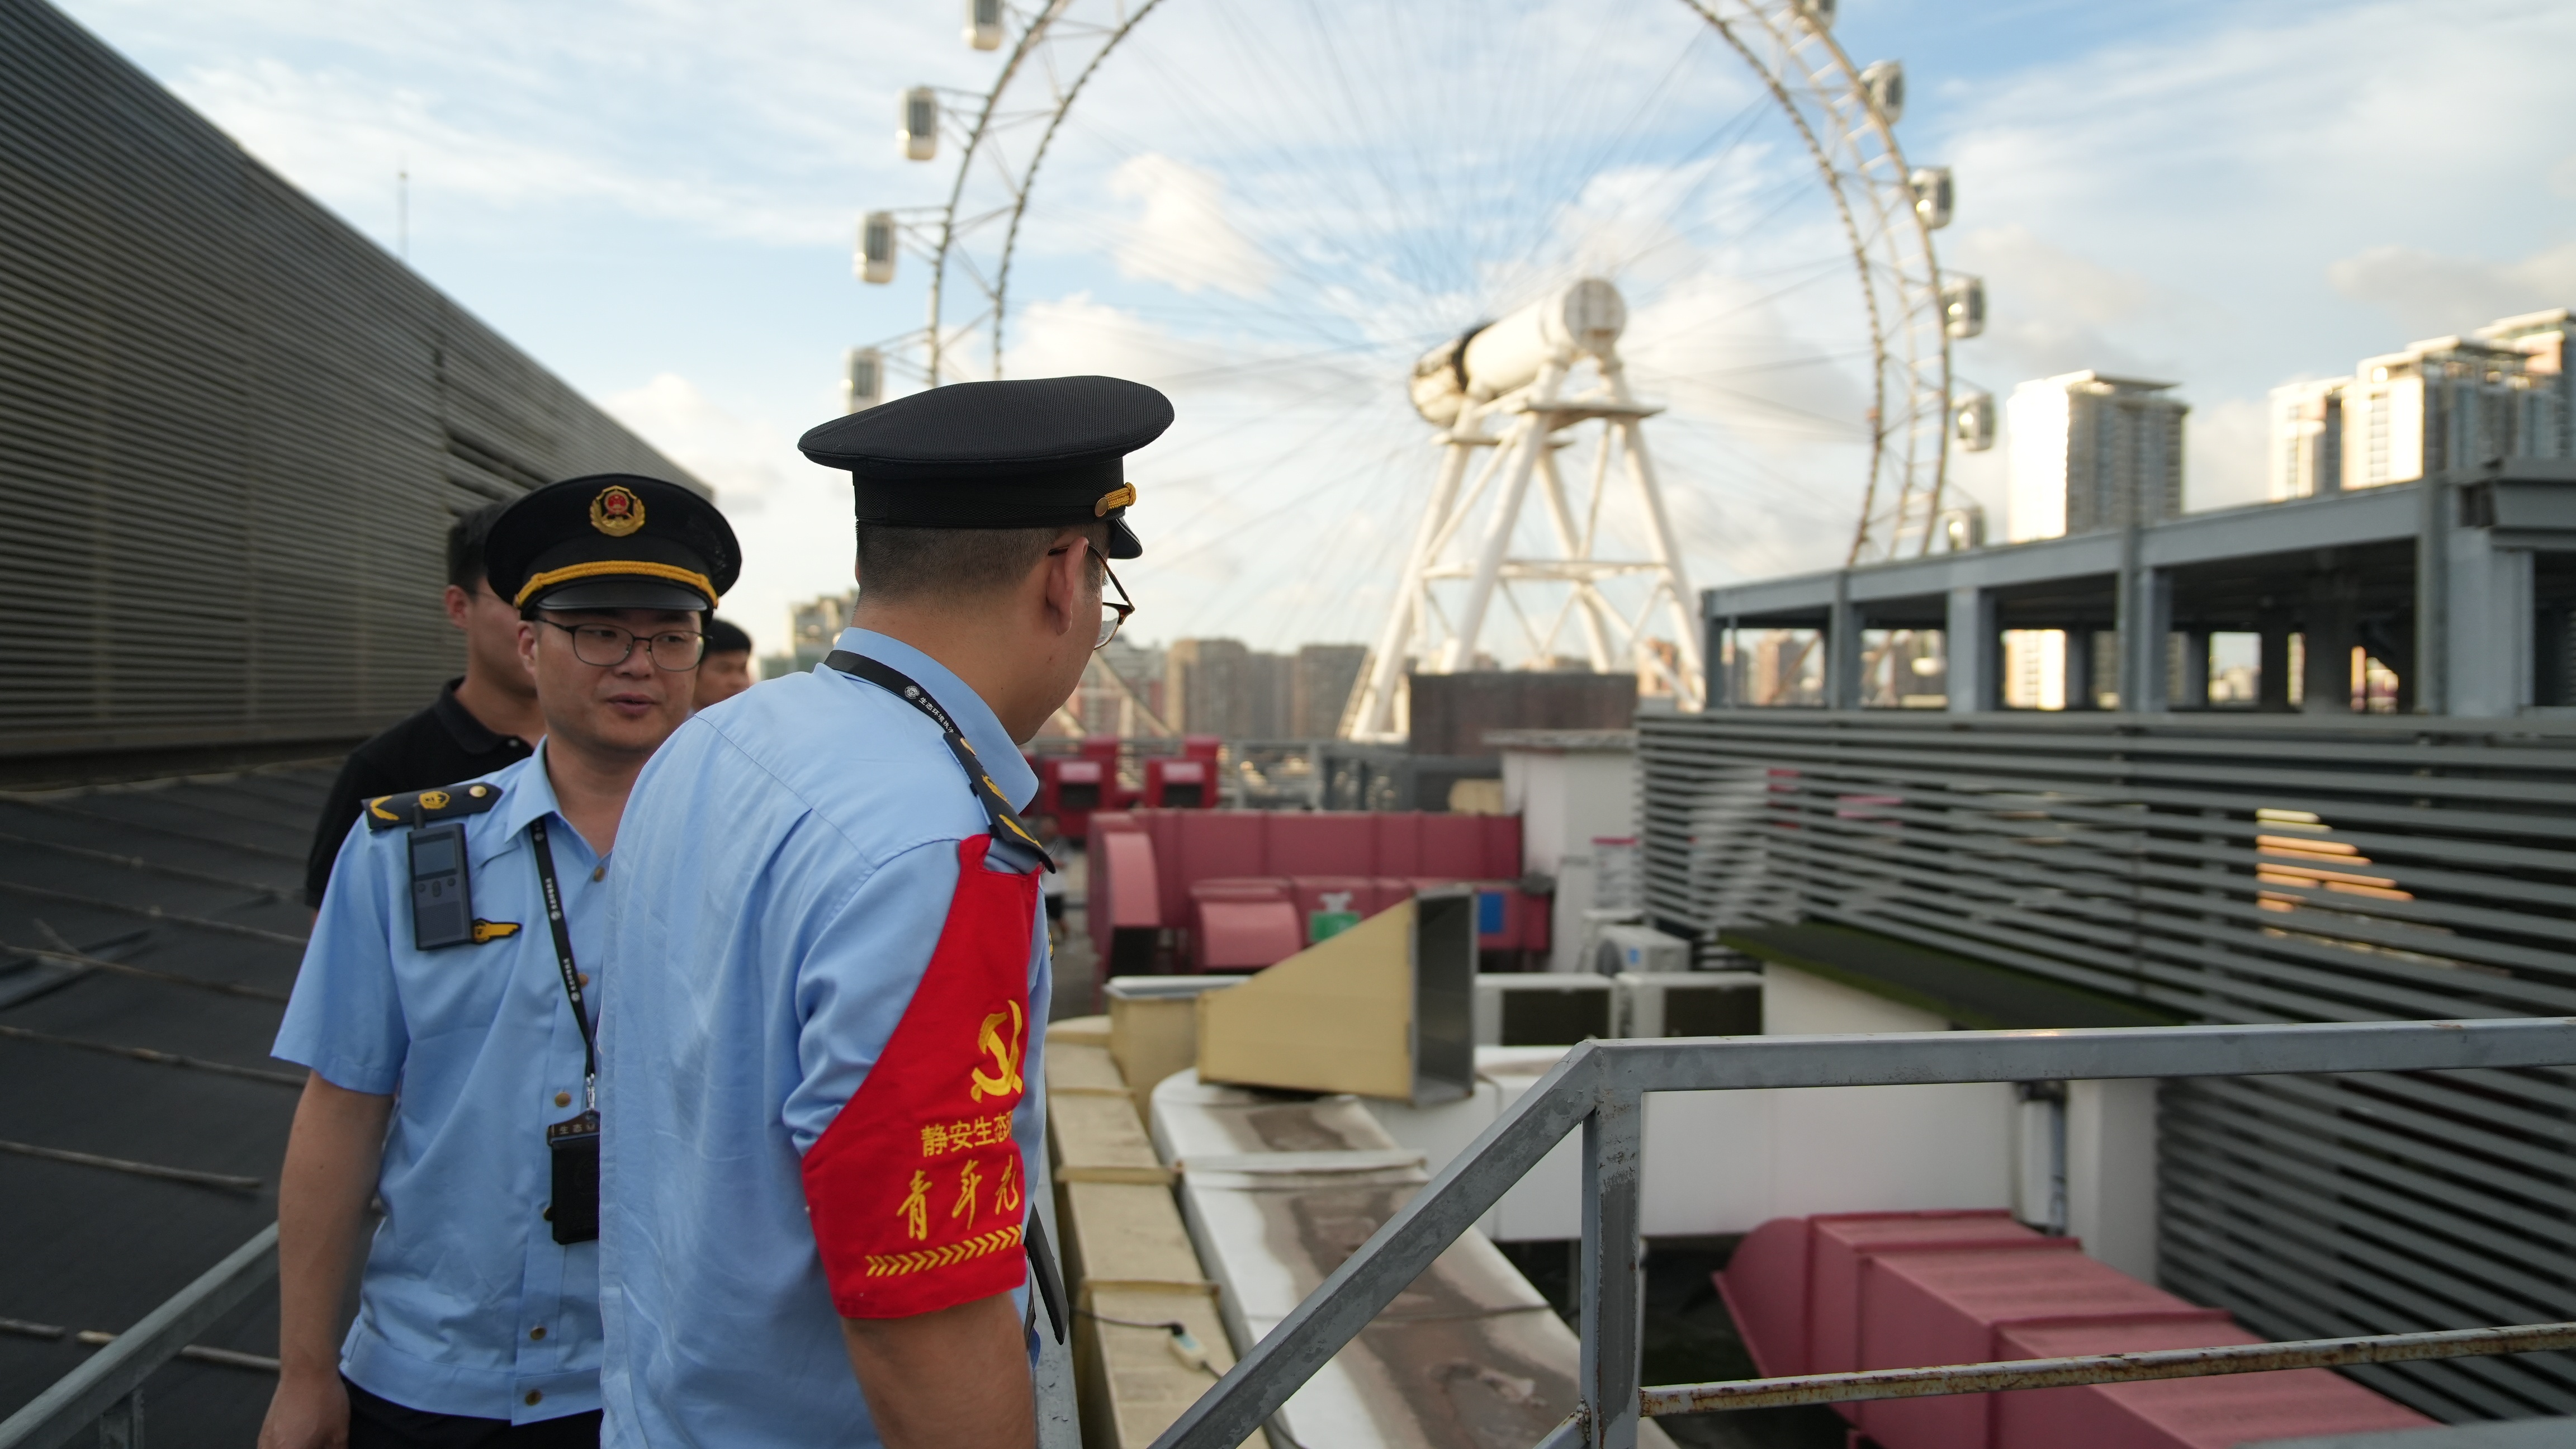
(1275,210)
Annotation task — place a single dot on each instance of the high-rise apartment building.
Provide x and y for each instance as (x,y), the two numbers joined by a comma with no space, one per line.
(816,624)
(2547,428)
(2089,452)
(2440,404)
(1220,687)
(2307,438)
(1319,688)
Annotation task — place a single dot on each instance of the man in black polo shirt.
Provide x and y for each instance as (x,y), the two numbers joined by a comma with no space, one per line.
(476,725)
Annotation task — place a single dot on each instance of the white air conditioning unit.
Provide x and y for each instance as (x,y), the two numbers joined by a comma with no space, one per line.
(1637,948)
(1543,1008)
(1690,1003)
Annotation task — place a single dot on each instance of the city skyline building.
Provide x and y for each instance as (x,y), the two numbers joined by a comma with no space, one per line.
(1319,690)
(2443,403)
(2088,451)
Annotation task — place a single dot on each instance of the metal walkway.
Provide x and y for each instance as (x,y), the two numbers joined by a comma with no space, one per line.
(148,937)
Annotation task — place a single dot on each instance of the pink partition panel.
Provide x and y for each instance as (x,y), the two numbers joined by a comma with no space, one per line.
(1218,843)
(1125,887)
(2207,1413)
(1241,888)
(1454,846)
(1245,935)
(1173,889)
(1765,1287)
(1939,1306)
(1538,914)
(1399,843)
(1844,1239)
(1321,842)
(1502,847)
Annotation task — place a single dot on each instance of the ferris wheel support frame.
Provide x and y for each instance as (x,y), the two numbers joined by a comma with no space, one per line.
(1521,456)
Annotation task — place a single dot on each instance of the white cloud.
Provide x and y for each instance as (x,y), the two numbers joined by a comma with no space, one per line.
(2432,295)
(791,517)
(1183,235)
(2223,454)
(2050,311)
(342,136)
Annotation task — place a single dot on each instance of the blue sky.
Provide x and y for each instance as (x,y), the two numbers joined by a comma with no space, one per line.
(657,201)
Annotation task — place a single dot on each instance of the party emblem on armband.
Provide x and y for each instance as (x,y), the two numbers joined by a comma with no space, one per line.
(1005,1052)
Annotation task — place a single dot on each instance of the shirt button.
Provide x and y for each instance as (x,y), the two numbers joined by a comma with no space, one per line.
(600,874)
(582,976)
(534,1395)
(562,1099)
(537,1332)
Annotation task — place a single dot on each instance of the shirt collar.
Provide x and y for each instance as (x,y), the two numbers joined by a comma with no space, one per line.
(992,744)
(526,795)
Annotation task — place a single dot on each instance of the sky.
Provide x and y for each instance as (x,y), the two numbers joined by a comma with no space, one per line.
(1269,209)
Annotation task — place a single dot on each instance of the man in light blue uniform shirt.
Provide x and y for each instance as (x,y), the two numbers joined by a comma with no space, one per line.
(437,1015)
(821,1076)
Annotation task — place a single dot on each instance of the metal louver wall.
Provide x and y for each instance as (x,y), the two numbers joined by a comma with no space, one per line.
(232,431)
(2260,868)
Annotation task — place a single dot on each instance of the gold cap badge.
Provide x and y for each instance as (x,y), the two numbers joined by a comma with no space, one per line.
(1118,497)
(433,799)
(617,512)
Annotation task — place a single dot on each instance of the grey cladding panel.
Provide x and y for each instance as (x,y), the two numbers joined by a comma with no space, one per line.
(2250,869)
(275,575)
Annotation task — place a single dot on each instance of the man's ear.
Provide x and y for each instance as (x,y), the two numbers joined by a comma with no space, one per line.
(1064,581)
(456,601)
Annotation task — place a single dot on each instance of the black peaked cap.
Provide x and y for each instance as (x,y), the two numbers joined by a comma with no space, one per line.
(1010,454)
(611,541)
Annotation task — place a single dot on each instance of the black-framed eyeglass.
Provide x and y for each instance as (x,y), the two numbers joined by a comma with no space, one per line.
(1113,612)
(605,646)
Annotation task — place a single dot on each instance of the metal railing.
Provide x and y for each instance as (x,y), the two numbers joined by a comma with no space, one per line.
(108,1390)
(1600,1087)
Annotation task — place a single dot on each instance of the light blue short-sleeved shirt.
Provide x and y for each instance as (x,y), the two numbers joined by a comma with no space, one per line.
(785,869)
(468,1304)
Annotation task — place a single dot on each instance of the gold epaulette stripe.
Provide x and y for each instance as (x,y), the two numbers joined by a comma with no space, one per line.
(895,1265)
(672,572)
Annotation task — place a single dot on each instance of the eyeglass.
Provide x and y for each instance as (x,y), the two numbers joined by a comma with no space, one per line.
(605,646)
(1113,612)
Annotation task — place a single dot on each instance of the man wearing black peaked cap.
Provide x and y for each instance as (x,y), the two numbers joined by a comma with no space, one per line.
(822,1083)
(445,1009)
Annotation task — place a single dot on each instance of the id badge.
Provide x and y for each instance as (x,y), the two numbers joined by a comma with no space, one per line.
(574,1145)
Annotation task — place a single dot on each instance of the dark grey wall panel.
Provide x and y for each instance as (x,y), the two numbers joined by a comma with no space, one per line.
(2228,868)
(232,430)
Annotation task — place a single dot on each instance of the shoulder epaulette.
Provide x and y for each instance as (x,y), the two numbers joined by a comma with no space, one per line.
(419,807)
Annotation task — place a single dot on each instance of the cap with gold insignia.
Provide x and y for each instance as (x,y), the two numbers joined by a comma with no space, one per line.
(612,541)
(1012,454)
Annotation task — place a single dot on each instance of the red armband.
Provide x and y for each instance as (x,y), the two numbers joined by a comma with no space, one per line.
(916,1188)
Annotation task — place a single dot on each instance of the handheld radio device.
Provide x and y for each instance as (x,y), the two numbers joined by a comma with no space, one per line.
(442,900)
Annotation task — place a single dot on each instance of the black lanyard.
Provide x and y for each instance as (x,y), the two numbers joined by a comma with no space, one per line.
(563,959)
(1004,820)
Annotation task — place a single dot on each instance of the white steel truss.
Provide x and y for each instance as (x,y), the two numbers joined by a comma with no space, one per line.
(1537,421)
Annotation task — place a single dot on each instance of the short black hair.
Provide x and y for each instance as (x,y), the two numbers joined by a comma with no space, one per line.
(465,545)
(724,638)
(897,563)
